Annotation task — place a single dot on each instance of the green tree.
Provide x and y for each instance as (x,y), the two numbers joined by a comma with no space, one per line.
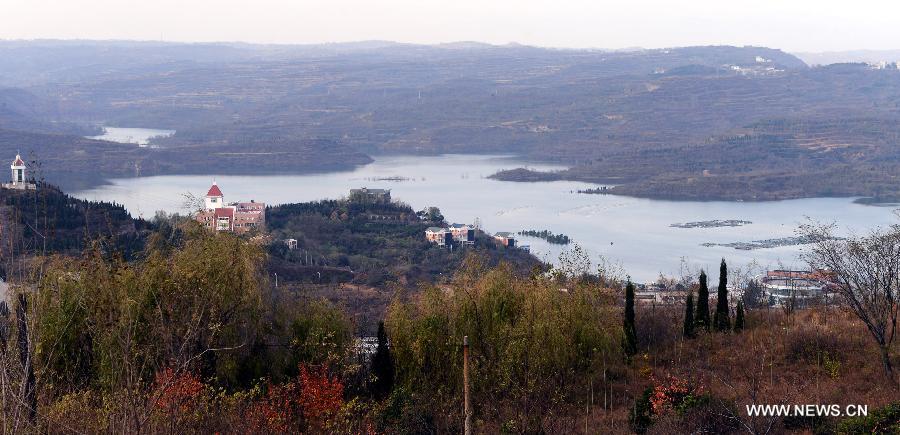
(191,306)
(721,319)
(702,317)
(382,366)
(629,341)
(739,317)
(689,316)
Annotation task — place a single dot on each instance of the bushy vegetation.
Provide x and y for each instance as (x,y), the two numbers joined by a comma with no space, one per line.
(191,336)
(189,327)
(535,348)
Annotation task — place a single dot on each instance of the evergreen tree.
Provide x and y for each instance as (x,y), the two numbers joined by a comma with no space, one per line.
(382,366)
(629,342)
(702,317)
(739,317)
(689,316)
(722,322)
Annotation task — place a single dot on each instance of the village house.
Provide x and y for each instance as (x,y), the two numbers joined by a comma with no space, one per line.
(19,179)
(439,236)
(506,239)
(235,217)
(463,233)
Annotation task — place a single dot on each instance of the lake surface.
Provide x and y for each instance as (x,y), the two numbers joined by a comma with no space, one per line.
(139,136)
(632,232)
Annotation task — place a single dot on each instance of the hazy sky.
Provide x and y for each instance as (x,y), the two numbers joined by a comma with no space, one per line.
(794,25)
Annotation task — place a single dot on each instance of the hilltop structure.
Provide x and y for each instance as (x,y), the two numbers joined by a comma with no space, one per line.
(19,179)
(375,196)
(236,217)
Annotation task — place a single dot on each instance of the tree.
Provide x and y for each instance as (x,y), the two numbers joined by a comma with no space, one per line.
(722,322)
(753,294)
(629,342)
(739,317)
(382,366)
(689,316)
(865,272)
(702,317)
(431,214)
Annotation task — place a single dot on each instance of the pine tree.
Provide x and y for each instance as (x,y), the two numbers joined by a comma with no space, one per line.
(722,322)
(739,317)
(701,320)
(629,342)
(382,366)
(689,316)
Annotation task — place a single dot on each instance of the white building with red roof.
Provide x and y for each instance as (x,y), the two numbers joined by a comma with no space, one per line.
(236,217)
(19,179)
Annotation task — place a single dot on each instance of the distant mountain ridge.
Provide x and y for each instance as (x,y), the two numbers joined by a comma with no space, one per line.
(680,121)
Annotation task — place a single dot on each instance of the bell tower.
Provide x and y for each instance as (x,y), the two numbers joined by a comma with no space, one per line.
(214,198)
(18,171)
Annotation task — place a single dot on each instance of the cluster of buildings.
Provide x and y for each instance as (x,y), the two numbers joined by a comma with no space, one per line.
(777,287)
(462,234)
(235,217)
(798,285)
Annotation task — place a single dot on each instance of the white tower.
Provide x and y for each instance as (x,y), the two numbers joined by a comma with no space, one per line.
(214,198)
(18,171)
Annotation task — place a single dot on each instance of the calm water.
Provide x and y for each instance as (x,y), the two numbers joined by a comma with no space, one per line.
(139,136)
(632,232)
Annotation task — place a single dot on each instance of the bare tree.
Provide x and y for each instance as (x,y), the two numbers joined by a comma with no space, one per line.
(866,274)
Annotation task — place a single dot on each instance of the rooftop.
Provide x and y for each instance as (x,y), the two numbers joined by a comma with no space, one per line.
(214,190)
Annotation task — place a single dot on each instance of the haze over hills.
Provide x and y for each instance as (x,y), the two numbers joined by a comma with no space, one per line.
(688,123)
(868,56)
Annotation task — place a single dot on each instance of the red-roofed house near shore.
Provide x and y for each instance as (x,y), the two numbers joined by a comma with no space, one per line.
(236,217)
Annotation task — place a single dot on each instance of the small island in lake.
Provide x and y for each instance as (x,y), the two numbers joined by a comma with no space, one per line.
(556,239)
(765,244)
(602,190)
(716,223)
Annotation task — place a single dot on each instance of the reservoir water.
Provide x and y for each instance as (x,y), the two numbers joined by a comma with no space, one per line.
(632,232)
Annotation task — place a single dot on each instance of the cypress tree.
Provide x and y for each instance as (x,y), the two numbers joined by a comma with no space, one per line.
(382,366)
(722,322)
(629,342)
(739,317)
(689,316)
(701,320)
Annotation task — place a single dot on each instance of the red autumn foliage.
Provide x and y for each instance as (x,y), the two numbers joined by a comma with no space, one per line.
(321,396)
(314,396)
(670,393)
(274,413)
(176,393)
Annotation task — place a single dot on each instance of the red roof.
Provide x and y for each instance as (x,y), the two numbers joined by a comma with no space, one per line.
(18,161)
(225,212)
(214,190)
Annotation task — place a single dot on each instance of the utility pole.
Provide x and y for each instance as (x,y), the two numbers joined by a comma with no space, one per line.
(467,403)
